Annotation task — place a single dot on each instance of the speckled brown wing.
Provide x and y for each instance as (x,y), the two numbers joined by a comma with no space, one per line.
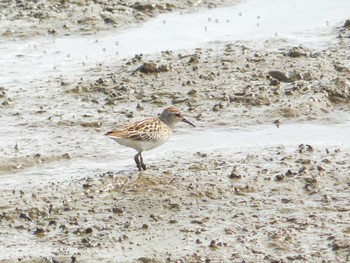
(146,130)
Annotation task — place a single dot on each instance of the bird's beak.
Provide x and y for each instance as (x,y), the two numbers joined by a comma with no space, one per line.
(188,122)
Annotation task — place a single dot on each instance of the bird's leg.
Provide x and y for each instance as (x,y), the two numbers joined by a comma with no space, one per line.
(142,164)
(137,161)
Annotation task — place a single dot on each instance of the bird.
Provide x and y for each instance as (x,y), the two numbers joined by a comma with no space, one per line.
(147,134)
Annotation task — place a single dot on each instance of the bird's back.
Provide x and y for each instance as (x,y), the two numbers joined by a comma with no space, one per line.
(142,135)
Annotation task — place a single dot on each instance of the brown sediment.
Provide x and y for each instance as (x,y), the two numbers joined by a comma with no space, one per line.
(256,203)
(25,19)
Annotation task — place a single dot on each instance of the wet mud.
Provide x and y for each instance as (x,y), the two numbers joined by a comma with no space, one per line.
(25,19)
(71,195)
(267,204)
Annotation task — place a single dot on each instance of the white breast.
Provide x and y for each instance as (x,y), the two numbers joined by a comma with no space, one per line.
(139,145)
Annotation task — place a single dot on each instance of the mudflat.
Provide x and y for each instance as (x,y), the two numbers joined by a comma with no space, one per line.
(262,178)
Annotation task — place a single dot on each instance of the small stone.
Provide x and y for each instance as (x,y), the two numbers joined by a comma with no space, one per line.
(149,67)
(289,173)
(7,102)
(52,222)
(297,52)
(193,59)
(39,232)
(164,68)
(213,244)
(192,92)
(277,123)
(279,76)
(25,216)
(93,124)
(88,230)
(62,227)
(347,24)
(279,177)
(108,20)
(139,107)
(67,156)
(87,186)
(234,175)
(118,210)
(85,240)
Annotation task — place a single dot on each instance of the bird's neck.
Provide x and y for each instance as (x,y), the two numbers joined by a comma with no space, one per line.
(167,122)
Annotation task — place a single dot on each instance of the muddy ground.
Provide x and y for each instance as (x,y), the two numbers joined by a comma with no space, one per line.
(257,204)
(71,17)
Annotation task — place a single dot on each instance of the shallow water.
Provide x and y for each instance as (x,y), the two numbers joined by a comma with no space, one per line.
(32,71)
(109,156)
(295,20)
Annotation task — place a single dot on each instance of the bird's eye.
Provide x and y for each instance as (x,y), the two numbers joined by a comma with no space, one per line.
(178,114)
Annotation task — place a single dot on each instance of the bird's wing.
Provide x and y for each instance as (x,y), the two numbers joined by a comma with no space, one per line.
(145,130)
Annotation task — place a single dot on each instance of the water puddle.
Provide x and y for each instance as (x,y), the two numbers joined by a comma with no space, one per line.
(112,157)
(295,20)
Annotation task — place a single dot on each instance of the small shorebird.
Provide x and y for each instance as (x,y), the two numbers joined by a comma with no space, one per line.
(149,133)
